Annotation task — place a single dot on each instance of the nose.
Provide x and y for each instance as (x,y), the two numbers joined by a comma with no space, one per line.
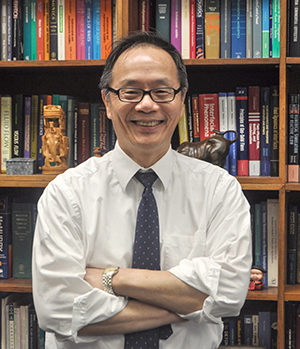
(146,104)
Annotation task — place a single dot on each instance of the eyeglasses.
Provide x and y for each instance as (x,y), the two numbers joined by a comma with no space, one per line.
(135,95)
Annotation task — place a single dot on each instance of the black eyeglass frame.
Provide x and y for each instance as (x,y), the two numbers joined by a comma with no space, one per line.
(145,92)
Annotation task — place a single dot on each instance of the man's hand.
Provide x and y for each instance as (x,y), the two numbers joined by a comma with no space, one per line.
(94,277)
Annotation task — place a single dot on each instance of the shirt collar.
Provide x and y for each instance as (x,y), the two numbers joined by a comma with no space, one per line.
(125,168)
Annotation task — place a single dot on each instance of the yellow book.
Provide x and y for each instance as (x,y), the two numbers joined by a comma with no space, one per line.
(183,127)
(6,131)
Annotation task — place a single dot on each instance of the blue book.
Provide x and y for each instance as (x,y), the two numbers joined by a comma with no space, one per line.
(231,136)
(88,8)
(248,332)
(27,30)
(264,329)
(241,96)
(96,30)
(200,39)
(265,28)
(264,241)
(5,236)
(238,29)
(257,233)
(265,168)
(225,28)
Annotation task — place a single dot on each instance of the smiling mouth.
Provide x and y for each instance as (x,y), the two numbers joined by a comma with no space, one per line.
(148,123)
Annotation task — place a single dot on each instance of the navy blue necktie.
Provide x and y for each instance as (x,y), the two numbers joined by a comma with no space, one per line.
(146,255)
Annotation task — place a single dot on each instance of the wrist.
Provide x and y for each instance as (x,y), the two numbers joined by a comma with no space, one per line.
(107,277)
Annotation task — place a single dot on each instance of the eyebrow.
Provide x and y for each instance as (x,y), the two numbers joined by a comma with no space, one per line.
(136,82)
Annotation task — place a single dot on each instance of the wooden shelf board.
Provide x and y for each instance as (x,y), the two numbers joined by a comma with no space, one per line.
(260,183)
(16,285)
(30,181)
(292,186)
(268,294)
(232,61)
(51,64)
(293,60)
(292,293)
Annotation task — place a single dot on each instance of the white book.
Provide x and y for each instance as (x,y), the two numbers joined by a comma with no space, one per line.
(6,130)
(185,29)
(272,213)
(61,30)
(223,111)
(231,111)
(249,30)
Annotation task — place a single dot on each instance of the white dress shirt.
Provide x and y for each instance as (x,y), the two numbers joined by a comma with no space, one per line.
(86,218)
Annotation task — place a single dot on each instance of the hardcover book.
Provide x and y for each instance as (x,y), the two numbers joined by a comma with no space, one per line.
(47,30)
(34,126)
(27,126)
(238,29)
(257,28)
(17,126)
(294,29)
(185,29)
(183,127)
(212,29)
(232,126)
(209,114)
(88,8)
(61,55)
(80,30)
(106,28)
(265,28)
(192,29)
(162,18)
(265,168)
(5,237)
(292,224)
(6,131)
(17,31)
(225,29)
(83,129)
(40,30)
(96,30)
(200,24)
(33,31)
(53,29)
(254,130)
(274,127)
(276,29)
(249,28)
(70,27)
(272,209)
(176,24)
(196,118)
(26,30)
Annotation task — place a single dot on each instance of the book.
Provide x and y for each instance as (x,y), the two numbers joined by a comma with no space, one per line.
(17,31)
(23,224)
(95,127)
(34,120)
(70,129)
(264,240)
(185,29)
(294,29)
(26,30)
(4,30)
(88,8)
(5,237)
(293,137)
(9,29)
(106,28)
(53,29)
(274,128)
(212,29)
(40,157)
(27,126)
(105,123)
(80,30)
(265,169)
(189,118)
(209,114)
(272,212)
(265,335)
(298,249)
(46,30)
(257,28)
(96,30)
(183,127)
(17,126)
(162,18)
(242,127)
(238,29)
(257,234)
(6,131)
(61,55)
(276,29)
(292,224)
(265,28)
(192,29)
(40,30)
(83,129)
(232,125)
(225,28)
(33,31)
(223,119)
(196,118)
(200,25)
(271,28)
(254,130)
(70,29)
(249,28)
(290,324)
(175,24)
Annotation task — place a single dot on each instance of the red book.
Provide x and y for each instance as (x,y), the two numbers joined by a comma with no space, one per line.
(40,30)
(80,30)
(145,15)
(196,119)
(209,114)
(83,129)
(106,28)
(254,130)
(193,29)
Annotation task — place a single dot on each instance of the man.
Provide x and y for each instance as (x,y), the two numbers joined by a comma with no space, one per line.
(90,219)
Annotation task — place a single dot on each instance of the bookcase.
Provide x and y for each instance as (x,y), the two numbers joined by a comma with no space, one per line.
(81,78)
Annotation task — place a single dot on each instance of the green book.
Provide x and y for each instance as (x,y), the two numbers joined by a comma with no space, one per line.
(33,31)
(276,29)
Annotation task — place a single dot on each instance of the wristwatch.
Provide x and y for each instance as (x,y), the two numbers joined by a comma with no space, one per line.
(107,275)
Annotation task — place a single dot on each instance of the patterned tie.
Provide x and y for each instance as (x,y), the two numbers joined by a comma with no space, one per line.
(146,255)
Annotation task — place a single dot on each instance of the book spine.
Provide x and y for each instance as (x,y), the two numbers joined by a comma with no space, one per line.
(46,30)
(248,329)
(294,29)
(88,7)
(274,129)
(16,29)
(190,118)
(40,30)
(96,30)
(26,30)
(232,126)
(257,28)
(83,128)
(9,29)
(175,30)
(17,127)
(34,126)
(265,169)
(6,130)
(265,29)
(196,118)
(238,29)
(33,31)
(225,29)
(192,29)
(249,28)
(61,55)
(212,29)
(272,209)
(293,138)
(70,27)
(223,119)
(257,234)
(106,28)
(264,240)
(200,24)
(40,157)
(271,28)
(5,237)
(242,126)
(104,130)
(27,124)
(292,244)
(80,30)
(183,127)
(254,130)
(70,130)
(276,29)
(209,114)
(162,19)
(4,30)
(95,127)
(53,29)
(185,29)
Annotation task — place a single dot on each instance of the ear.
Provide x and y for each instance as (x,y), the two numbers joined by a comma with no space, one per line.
(106,101)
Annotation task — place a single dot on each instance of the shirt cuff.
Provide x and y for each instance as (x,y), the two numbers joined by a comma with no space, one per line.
(92,307)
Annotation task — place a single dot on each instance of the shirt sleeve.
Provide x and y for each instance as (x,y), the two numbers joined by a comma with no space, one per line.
(64,301)
(223,273)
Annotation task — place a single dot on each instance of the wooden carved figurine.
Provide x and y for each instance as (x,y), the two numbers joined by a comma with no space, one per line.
(55,145)
(213,149)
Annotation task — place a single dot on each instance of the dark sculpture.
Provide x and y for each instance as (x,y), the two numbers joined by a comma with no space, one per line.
(213,149)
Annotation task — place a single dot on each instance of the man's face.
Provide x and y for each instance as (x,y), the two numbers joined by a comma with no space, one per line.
(144,126)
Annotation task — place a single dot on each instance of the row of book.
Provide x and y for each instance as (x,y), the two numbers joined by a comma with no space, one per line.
(293,137)
(22,128)
(251,111)
(292,325)
(57,29)
(254,329)
(264,219)
(293,244)
(19,325)
(216,28)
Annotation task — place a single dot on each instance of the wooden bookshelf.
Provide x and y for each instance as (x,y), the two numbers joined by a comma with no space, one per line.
(268,294)
(16,285)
